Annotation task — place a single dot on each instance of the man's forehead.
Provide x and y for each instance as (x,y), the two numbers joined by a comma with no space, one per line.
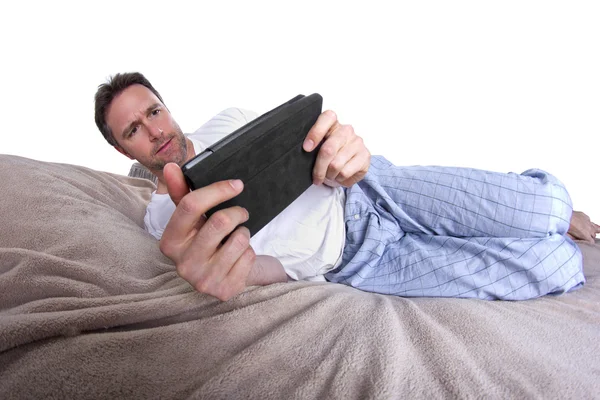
(128,104)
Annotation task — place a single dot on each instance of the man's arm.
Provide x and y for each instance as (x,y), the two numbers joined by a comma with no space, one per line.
(194,243)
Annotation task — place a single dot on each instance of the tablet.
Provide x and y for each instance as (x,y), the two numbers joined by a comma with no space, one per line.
(267,155)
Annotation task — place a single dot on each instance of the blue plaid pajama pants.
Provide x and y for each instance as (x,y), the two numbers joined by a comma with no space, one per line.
(458,232)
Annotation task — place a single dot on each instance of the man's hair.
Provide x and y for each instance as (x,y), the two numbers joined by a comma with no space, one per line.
(111,89)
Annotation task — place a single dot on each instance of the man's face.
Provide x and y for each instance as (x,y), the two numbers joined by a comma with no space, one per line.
(144,129)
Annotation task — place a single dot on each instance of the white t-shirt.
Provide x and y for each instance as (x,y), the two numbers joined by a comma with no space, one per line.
(307,237)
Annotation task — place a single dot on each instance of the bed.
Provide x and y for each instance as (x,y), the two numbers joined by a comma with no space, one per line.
(90,308)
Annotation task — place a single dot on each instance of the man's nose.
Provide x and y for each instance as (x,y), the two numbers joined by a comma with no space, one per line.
(154,131)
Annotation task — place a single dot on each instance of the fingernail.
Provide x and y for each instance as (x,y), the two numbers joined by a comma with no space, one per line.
(236,184)
(308,145)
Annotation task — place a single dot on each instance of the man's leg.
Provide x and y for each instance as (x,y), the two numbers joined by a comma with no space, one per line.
(465,202)
(420,265)
(455,232)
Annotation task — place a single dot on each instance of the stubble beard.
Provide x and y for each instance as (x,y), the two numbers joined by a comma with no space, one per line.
(178,150)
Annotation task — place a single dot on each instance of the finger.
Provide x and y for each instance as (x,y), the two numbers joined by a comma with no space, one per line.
(205,247)
(186,217)
(591,239)
(237,243)
(176,184)
(326,155)
(235,282)
(342,159)
(315,135)
(207,242)
(355,170)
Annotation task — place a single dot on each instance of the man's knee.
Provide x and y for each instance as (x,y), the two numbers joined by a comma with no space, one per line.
(553,199)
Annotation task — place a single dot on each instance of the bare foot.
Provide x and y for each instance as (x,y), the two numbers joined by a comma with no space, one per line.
(582,228)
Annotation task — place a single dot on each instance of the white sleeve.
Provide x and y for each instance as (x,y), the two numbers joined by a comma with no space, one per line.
(222,125)
(158,213)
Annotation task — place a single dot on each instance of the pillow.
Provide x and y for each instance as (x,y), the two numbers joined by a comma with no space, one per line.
(69,235)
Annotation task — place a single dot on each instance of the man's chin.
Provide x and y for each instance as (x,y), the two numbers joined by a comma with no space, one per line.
(159,165)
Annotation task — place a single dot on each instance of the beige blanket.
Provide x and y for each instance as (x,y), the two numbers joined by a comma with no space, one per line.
(90,308)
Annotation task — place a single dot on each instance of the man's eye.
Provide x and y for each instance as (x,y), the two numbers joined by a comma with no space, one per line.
(133,131)
(155,112)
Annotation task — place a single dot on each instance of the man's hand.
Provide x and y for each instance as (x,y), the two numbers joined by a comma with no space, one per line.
(343,158)
(582,227)
(194,243)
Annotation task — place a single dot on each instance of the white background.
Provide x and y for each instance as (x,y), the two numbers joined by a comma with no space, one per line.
(503,85)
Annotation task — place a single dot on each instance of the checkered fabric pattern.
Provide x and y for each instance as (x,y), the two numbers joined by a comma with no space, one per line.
(458,232)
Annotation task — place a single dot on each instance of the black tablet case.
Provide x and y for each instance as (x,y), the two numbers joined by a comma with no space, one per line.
(267,155)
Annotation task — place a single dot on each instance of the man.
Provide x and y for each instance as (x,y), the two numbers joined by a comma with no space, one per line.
(417,231)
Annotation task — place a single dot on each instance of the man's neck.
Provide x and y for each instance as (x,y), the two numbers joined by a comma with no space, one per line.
(161,188)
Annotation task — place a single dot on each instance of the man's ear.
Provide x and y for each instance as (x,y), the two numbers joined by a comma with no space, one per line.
(122,151)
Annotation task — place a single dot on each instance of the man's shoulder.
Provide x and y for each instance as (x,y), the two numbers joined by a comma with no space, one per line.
(226,121)
(239,114)
(221,125)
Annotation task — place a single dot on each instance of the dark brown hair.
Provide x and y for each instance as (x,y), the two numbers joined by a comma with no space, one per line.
(108,91)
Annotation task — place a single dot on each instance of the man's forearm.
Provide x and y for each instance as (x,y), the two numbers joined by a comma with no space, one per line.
(266,270)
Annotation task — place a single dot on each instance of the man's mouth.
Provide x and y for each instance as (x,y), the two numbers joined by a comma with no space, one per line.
(164,146)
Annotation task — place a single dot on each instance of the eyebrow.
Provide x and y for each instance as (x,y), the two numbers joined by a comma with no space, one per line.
(133,123)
